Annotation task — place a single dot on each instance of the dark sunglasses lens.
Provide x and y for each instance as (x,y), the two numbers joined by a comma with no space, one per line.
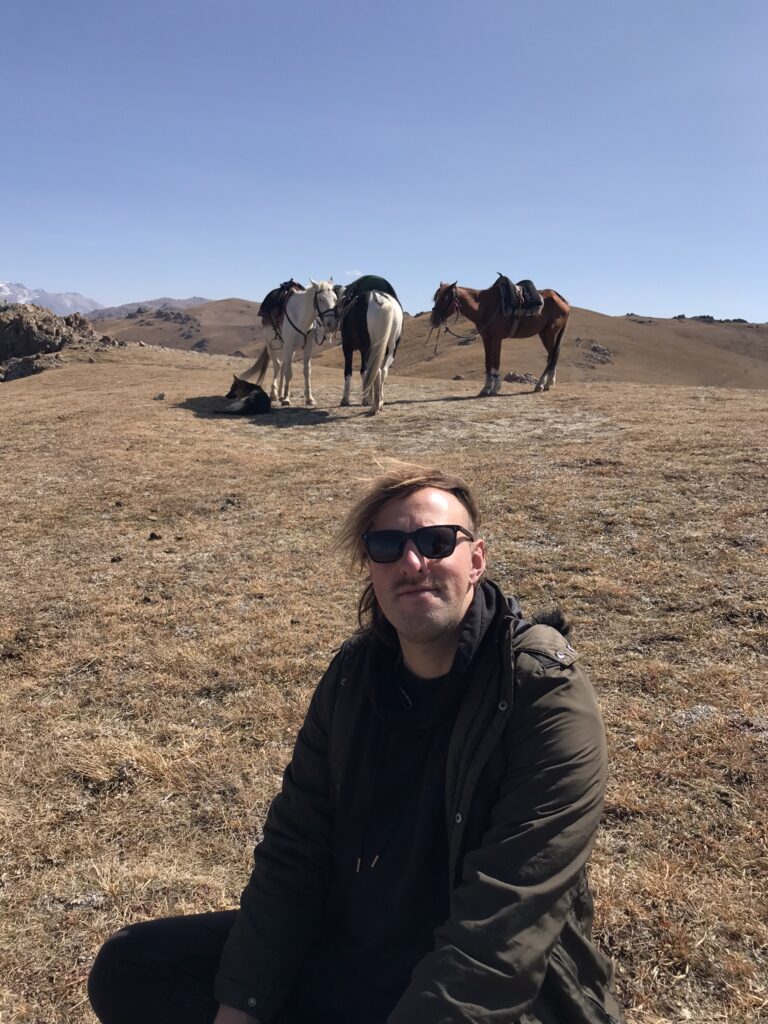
(385,545)
(431,542)
(436,541)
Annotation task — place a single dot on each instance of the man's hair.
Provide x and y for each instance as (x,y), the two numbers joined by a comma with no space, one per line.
(401,480)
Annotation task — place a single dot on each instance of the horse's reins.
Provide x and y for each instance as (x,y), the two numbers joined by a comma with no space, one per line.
(323,313)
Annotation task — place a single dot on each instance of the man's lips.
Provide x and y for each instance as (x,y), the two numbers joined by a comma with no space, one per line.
(416,588)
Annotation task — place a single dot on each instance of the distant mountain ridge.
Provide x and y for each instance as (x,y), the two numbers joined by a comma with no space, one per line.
(118,312)
(61,303)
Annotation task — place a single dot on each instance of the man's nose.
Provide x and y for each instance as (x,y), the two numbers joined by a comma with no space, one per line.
(412,559)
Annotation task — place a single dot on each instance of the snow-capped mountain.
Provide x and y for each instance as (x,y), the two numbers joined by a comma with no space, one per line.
(60,303)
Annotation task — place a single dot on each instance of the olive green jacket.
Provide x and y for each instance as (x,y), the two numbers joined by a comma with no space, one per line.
(524,790)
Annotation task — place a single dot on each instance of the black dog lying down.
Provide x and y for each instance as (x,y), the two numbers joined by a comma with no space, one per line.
(247,399)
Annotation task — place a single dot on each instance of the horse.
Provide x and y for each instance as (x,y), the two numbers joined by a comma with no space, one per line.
(483,308)
(371,319)
(306,312)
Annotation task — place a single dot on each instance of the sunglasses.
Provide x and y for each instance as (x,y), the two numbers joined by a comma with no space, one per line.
(430,541)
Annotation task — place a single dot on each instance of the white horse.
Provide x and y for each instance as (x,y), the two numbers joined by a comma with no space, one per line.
(308,314)
(384,323)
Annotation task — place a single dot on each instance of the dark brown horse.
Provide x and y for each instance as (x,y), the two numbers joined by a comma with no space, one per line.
(483,308)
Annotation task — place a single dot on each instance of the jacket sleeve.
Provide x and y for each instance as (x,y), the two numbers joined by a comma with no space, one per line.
(518,886)
(281,905)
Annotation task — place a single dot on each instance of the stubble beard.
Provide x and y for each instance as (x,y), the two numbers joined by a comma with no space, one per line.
(424,626)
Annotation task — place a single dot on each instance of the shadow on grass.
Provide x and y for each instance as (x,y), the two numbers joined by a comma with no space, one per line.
(211,407)
(457,398)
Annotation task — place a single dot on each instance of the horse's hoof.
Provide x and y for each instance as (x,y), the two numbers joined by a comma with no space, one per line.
(285,401)
(483,394)
(344,401)
(312,404)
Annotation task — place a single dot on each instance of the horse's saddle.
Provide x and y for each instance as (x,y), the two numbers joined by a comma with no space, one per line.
(521,299)
(272,308)
(368,283)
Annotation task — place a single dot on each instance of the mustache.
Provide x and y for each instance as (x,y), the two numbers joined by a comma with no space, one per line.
(422,582)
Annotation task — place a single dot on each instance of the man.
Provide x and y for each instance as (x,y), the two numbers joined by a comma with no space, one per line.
(424,862)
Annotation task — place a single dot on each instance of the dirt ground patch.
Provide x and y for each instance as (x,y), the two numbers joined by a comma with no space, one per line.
(170,600)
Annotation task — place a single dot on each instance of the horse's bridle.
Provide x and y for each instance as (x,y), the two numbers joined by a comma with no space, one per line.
(324,312)
(453,308)
(305,334)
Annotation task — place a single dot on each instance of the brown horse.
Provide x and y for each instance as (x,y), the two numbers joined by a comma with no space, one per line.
(483,308)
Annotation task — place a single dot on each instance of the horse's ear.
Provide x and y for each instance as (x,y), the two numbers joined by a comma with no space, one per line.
(313,283)
(330,279)
(455,283)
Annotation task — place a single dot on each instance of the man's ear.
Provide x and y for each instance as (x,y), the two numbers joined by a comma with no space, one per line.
(478,562)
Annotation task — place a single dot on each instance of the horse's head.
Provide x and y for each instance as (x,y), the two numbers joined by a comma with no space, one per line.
(325,299)
(445,302)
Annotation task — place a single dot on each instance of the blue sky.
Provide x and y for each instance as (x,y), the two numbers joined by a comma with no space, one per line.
(616,151)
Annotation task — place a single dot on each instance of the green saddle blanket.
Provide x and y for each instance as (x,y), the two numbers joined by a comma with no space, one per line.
(368,283)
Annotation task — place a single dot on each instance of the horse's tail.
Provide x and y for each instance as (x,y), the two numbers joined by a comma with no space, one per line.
(260,366)
(255,374)
(382,350)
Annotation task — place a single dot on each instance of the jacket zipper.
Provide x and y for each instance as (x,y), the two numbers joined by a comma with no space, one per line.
(465,790)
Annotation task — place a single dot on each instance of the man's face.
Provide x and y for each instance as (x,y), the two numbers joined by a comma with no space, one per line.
(426,599)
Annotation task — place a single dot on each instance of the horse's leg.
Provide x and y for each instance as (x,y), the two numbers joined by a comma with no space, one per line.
(492,384)
(547,336)
(551,338)
(364,354)
(287,375)
(276,371)
(486,388)
(394,341)
(308,396)
(496,364)
(376,394)
(347,375)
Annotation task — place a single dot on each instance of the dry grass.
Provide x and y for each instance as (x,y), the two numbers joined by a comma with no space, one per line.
(151,688)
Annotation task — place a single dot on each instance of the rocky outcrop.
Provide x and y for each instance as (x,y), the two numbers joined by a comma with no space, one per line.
(32,338)
(593,353)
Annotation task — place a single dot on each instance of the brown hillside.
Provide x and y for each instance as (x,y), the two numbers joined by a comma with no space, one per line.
(227,326)
(170,598)
(641,349)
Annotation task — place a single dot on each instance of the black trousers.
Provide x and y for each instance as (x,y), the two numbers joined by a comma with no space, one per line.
(163,972)
(160,972)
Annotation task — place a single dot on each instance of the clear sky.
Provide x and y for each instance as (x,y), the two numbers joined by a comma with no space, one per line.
(612,149)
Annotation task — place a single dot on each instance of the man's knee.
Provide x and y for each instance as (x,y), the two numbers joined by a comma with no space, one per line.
(110,974)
